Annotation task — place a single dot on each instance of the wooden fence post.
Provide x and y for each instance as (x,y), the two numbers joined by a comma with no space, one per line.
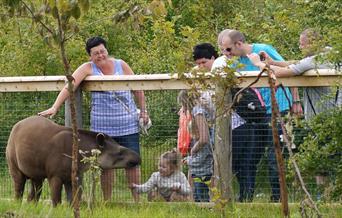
(223,146)
(78,97)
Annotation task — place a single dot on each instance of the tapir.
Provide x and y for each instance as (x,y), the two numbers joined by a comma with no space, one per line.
(38,148)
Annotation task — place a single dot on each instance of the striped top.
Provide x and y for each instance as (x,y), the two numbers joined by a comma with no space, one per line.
(113,112)
(201,163)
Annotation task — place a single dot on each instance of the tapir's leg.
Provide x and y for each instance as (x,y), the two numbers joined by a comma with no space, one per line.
(36,190)
(68,191)
(107,180)
(56,190)
(19,180)
(19,186)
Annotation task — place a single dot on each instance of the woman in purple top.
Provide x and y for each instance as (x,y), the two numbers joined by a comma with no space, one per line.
(113,112)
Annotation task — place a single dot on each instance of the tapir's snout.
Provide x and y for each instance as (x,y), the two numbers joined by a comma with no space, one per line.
(120,157)
(134,162)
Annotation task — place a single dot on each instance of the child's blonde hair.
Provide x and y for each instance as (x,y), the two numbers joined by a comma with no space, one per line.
(187,99)
(173,157)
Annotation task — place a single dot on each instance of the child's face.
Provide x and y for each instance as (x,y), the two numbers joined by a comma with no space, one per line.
(165,168)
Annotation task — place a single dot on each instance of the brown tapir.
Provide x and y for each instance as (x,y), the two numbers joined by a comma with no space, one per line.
(39,148)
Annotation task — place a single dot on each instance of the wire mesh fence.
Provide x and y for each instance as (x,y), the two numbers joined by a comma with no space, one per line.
(254,162)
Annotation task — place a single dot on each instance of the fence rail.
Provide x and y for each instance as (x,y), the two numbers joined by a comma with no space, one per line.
(156,81)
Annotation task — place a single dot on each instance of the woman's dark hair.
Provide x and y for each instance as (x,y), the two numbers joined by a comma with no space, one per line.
(204,50)
(95,41)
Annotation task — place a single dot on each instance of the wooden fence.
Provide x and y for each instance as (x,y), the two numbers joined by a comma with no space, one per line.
(313,78)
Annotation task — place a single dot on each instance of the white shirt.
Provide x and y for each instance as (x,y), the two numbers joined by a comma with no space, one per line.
(221,62)
(166,184)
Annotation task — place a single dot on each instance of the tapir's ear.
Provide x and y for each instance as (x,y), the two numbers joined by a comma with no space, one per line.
(100,140)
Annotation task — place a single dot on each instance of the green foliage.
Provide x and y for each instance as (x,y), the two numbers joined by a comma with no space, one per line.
(156,36)
(91,159)
(321,151)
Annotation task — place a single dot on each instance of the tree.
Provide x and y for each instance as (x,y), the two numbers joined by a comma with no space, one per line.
(54,20)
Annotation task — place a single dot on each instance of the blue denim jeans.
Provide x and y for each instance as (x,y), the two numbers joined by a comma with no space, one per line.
(247,152)
(201,189)
(129,141)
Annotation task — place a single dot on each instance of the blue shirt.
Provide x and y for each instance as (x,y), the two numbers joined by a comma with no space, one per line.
(282,101)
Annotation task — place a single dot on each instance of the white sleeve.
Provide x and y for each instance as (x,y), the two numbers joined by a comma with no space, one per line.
(151,183)
(219,63)
(303,65)
(184,185)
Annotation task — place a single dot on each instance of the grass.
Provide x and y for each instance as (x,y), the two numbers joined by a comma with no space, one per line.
(156,210)
(150,154)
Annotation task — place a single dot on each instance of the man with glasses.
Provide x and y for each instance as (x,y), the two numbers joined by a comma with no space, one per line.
(233,43)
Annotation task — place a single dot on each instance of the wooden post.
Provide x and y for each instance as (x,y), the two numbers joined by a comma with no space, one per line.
(223,145)
(78,97)
(277,148)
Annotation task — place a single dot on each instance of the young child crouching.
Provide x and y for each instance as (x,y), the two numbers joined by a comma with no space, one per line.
(169,183)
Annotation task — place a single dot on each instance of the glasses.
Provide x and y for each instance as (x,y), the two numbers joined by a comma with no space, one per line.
(223,50)
(97,53)
(227,49)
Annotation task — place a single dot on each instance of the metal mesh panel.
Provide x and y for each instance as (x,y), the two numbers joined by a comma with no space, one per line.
(252,150)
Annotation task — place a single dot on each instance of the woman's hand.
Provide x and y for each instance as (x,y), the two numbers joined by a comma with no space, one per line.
(144,115)
(51,112)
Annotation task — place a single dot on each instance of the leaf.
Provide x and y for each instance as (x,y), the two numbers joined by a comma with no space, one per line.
(55,12)
(84,5)
(158,8)
(64,5)
(76,12)
(51,3)
(12,3)
(37,17)
(75,28)
(3,18)
(56,38)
